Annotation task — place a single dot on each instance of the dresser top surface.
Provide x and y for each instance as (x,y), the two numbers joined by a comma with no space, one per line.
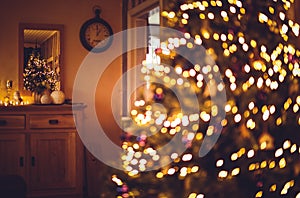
(25,108)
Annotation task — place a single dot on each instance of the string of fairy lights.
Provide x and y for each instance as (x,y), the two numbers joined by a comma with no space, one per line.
(272,68)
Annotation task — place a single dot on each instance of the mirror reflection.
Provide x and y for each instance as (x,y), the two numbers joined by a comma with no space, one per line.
(40,57)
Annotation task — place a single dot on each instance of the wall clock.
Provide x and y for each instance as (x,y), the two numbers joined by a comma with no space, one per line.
(96,34)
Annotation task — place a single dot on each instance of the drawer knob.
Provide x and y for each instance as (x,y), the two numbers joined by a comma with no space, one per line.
(32,161)
(53,121)
(21,162)
(3,122)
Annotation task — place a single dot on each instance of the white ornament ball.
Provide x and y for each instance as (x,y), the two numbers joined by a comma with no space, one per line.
(58,97)
(46,99)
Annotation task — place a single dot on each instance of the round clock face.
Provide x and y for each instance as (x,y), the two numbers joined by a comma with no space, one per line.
(96,35)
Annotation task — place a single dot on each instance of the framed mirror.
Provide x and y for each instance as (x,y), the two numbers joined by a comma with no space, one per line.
(46,41)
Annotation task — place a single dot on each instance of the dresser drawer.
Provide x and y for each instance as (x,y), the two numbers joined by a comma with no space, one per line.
(12,122)
(51,121)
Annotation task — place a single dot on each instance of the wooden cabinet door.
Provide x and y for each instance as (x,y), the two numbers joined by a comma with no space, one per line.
(12,154)
(52,161)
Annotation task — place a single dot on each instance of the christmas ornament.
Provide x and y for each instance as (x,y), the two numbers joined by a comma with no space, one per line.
(158,96)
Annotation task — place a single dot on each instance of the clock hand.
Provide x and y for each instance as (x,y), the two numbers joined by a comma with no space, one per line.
(98,31)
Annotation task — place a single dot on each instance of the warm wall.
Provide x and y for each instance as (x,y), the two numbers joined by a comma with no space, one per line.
(72,14)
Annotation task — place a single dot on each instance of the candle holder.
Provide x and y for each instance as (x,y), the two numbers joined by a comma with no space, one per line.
(8,86)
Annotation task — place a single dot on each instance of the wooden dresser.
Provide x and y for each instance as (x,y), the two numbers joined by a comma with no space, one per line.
(40,143)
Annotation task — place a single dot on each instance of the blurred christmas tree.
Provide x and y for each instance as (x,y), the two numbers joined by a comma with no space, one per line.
(252,44)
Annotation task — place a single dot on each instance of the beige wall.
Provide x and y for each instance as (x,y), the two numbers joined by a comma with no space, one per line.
(72,14)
